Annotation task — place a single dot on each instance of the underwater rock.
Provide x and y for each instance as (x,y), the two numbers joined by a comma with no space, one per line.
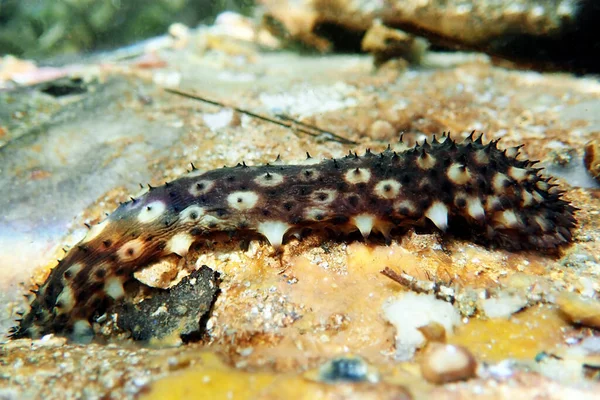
(591,159)
(443,363)
(580,310)
(179,310)
(347,369)
(386,43)
(545,35)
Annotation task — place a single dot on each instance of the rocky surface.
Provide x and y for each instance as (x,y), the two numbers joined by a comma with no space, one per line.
(179,313)
(281,317)
(556,34)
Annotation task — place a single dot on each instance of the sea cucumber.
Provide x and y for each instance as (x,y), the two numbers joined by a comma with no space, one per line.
(469,189)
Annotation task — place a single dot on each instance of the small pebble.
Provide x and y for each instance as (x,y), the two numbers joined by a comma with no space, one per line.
(591,158)
(381,130)
(347,369)
(443,363)
(579,310)
(434,332)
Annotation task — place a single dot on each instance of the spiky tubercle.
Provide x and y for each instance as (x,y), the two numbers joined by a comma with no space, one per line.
(470,189)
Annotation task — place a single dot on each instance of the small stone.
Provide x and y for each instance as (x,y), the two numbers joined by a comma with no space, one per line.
(579,310)
(443,363)
(387,43)
(433,332)
(591,158)
(347,369)
(381,130)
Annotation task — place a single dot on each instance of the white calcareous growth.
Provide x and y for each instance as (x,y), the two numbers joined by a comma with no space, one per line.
(411,311)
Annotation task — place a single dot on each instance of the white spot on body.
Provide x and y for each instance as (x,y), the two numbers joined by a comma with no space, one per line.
(543,223)
(492,203)
(423,183)
(518,174)
(74,269)
(384,227)
(95,231)
(323,196)
(268,179)
(388,189)
(131,250)
(309,175)
(481,157)
(273,231)
(180,244)
(538,197)
(527,198)
(242,201)
(191,214)
(459,174)
(499,181)
(364,223)
(211,222)
(315,214)
(542,185)
(405,206)
(66,300)
(475,208)
(151,212)
(426,161)
(201,187)
(114,287)
(357,175)
(508,219)
(438,214)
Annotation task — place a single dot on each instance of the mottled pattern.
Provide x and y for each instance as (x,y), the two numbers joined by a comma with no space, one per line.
(469,189)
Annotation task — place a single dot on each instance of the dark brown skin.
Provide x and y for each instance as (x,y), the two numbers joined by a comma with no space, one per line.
(469,189)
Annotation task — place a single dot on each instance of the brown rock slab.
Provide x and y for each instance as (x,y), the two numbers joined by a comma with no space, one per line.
(175,313)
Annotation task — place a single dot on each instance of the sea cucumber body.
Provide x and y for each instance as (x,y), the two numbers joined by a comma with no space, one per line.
(470,189)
